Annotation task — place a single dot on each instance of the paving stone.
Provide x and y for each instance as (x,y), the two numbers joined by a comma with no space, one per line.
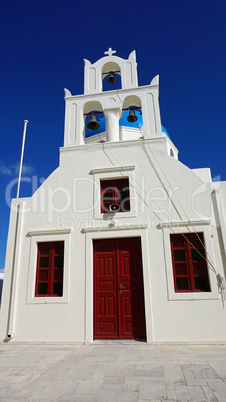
(148,370)
(78,398)
(187,393)
(220,368)
(122,372)
(116,396)
(151,400)
(170,392)
(88,387)
(69,392)
(131,384)
(113,380)
(200,371)
(138,355)
(208,392)
(43,389)
(218,389)
(152,389)
(199,383)
(173,374)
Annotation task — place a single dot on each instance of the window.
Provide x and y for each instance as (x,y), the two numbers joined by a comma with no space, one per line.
(115,192)
(49,275)
(189,263)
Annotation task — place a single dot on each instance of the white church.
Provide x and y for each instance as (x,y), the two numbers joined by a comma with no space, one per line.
(122,241)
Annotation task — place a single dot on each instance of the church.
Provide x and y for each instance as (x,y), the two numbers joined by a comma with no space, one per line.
(122,241)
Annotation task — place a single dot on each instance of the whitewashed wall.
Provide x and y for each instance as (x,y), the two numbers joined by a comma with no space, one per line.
(182,317)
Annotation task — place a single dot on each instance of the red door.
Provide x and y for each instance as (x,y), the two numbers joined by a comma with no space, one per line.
(118,289)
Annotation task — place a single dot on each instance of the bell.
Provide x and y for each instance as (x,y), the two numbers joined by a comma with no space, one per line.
(111,79)
(92,123)
(132,118)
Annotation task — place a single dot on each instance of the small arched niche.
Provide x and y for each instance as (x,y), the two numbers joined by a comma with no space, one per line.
(96,108)
(131,102)
(171,152)
(107,69)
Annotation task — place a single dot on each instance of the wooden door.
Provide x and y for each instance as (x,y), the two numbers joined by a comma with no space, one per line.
(118,289)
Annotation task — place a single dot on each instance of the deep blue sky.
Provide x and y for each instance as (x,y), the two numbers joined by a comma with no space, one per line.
(43,44)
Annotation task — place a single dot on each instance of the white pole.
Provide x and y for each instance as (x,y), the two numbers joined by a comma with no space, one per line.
(21,158)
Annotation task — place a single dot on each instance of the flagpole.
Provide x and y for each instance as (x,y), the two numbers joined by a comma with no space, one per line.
(21,158)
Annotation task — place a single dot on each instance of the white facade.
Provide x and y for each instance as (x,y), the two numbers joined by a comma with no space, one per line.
(166,198)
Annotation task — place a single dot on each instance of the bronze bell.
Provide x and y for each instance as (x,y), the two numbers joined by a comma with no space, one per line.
(92,123)
(132,118)
(111,79)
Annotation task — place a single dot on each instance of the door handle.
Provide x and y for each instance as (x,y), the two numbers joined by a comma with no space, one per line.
(121,287)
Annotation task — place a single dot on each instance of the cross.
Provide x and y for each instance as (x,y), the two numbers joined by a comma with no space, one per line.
(110,52)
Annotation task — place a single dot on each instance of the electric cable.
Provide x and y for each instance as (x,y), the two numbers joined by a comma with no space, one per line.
(208,260)
(145,150)
(220,280)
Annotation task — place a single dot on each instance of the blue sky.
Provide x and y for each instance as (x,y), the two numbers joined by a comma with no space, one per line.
(43,45)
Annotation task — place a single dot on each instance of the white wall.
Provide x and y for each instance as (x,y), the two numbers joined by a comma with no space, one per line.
(63,206)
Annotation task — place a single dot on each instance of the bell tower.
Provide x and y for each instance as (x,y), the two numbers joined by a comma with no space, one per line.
(95,73)
(114,102)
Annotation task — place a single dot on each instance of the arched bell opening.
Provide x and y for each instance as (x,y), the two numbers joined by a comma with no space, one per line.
(132,113)
(132,117)
(111,77)
(94,119)
(90,119)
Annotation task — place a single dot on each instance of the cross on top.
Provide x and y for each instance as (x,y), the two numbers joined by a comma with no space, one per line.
(110,52)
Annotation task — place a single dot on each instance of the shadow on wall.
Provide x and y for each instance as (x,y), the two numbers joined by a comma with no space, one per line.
(1,284)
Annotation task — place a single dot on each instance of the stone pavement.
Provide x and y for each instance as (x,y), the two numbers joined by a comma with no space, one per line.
(112,372)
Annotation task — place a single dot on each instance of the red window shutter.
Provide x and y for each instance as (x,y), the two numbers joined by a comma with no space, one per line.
(49,275)
(115,192)
(189,263)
